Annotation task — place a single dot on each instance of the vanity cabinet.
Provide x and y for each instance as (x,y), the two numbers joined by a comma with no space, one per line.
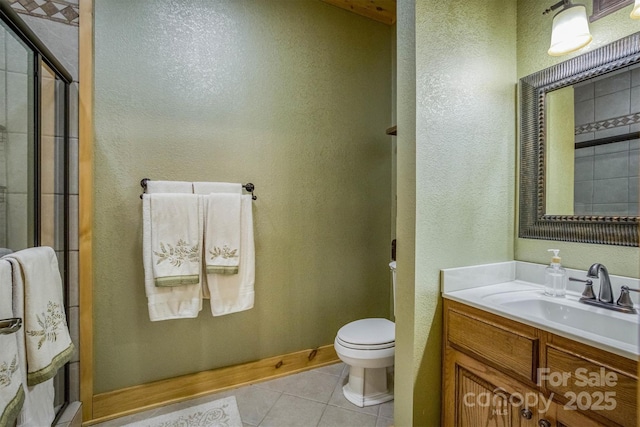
(499,372)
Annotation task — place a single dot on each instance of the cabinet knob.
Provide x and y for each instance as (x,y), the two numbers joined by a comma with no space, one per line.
(526,413)
(544,423)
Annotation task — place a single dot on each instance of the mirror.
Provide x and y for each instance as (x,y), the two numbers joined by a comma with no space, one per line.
(580,148)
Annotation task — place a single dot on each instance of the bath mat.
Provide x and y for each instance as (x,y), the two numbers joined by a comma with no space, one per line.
(219,413)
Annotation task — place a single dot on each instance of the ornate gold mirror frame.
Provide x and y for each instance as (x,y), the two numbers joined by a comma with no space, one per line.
(534,222)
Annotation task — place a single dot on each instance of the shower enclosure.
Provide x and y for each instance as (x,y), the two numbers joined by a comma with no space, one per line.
(34,117)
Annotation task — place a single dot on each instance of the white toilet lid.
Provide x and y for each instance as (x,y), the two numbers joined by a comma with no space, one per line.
(368,332)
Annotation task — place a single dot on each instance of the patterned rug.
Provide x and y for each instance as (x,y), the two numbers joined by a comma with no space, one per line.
(219,413)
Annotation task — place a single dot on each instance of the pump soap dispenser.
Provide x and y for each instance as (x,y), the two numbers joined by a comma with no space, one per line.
(555,283)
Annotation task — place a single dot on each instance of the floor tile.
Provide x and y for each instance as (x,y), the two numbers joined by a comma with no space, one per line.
(384,422)
(312,398)
(335,369)
(340,417)
(338,399)
(309,385)
(292,411)
(386,410)
(254,403)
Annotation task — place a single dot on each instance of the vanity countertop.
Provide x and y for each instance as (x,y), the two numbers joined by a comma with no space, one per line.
(513,290)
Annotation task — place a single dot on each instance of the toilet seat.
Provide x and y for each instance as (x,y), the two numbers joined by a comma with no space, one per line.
(367,334)
(366,347)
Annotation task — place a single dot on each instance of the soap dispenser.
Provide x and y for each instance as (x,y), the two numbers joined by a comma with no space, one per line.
(555,283)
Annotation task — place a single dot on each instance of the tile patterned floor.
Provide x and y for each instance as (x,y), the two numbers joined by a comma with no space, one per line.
(308,399)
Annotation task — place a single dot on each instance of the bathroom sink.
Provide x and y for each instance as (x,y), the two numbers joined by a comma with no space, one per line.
(567,314)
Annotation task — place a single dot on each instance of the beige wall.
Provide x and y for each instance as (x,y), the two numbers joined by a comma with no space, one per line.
(294,96)
(533,42)
(464,116)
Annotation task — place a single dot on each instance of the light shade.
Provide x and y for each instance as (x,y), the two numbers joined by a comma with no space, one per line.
(635,13)
(570,30)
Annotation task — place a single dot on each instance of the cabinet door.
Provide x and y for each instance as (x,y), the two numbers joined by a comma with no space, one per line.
(479,396)
(571,418)
(481,403)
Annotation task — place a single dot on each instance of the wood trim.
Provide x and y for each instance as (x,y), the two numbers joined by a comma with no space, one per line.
(138,398)
(85,208)
(379,10)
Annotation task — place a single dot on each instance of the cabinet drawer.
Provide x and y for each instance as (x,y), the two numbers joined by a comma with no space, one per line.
(509,350)
(598,387)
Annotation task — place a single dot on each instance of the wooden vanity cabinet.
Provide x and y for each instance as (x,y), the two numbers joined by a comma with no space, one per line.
(491,376)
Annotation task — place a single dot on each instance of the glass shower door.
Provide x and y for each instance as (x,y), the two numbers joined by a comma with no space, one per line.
(17,143)
(33,159)
(53,189)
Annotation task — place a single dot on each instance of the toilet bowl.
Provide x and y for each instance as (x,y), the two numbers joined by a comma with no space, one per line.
(367,346)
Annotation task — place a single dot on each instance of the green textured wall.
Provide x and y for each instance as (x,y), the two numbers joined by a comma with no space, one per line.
(406,213)
(534,35)
(294,96)
(560,151)
(464,112)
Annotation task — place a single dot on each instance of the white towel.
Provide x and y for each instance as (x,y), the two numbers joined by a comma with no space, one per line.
(222,233)
(38,299)
(11,390)
(164,303)
(38,409)
(169,187)
(176,239)
(233,293)
(206,188)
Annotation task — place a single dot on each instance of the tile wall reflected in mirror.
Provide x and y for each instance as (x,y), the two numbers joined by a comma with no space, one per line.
(606,176)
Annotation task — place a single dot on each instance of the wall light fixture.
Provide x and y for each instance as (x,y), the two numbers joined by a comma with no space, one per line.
(570,28)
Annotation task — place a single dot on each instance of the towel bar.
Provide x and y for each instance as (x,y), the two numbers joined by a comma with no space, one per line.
(248,186)
(9,326)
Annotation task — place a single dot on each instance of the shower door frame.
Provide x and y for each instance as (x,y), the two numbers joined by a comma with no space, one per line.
(41,57)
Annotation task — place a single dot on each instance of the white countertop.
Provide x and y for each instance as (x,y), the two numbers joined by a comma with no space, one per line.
(495,287)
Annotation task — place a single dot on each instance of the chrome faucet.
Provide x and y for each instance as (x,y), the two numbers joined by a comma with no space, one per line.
(606,293)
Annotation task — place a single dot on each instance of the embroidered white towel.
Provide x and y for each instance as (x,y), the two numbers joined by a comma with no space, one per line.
(11,391)
(204,189)
(222,233)
(174,302)
(233,293)
(176,239)
(38,299)
(38,408)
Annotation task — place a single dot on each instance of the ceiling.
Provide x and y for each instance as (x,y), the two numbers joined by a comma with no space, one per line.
(379,10)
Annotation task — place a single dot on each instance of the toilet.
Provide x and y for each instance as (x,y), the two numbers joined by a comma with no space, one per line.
(367,346)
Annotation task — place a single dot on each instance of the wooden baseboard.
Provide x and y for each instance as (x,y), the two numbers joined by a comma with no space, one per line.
(130,400)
